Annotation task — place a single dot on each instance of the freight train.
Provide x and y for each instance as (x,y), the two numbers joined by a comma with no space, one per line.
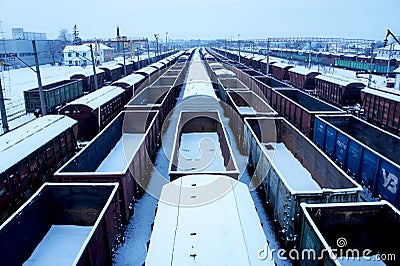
(377,106)
(94,212)
(105,208)
(59,93)
(32,153)
(347,61)
(365,152)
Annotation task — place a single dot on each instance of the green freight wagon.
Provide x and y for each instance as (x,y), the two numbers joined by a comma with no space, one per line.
(55,94)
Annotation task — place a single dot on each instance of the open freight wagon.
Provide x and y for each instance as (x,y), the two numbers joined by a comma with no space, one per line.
(368,153)
(273,144)
(201,146)
(63,224)
(363,233)
(119,153)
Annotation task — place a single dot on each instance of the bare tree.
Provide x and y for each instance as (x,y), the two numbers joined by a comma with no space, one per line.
(64,36)
(54,50)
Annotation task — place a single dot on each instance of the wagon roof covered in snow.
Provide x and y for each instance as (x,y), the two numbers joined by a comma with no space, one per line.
(24,140)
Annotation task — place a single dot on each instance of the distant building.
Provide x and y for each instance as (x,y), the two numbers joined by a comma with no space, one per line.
(49,52)
(20,34)
(79,55)
(394,49)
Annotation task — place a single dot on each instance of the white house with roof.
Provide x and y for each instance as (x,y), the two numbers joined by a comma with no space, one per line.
(79,55)
(397,81)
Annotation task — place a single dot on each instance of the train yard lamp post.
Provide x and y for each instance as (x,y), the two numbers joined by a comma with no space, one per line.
(39,79)
(156,36)
(268,45)
(4,122)
(371,64)
(239,46)
(166,41)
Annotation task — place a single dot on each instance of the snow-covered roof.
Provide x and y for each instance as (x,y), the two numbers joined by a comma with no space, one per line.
(22,141)
(206,219)
(99,97)
(282,65)
(88,71)
(165,61)
(397,70)
(157,65)
(83,48)
(76,48)
(338,80)
(147,70)
(302,71)
(131,79)
(388,94)
(110,67)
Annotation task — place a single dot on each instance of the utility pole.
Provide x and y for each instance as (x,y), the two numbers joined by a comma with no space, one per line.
(148,52)
(166,41)
(123,53)
(309,55)
(96,85)
(226,47)
(390,57)
(41,94)
(370,64)
(3,111)
(239,46)
(267,70)
(156,36)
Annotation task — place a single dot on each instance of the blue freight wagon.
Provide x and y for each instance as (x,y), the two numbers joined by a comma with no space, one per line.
(368,153)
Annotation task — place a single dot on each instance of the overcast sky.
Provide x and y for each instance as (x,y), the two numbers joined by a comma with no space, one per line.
(205,19)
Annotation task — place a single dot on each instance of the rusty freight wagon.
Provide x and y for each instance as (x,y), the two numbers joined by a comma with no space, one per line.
(336,234)
(120,153)
(382,107)
(370,154)
(303,78)
(63,224)
(130,84)
(301,108)
(225,84)
(291,169)
(30,155)
(242,104)
(112,72)
(201,146)
(87,78)
(339,91)
(280,71)
(160,98)
(95,110)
